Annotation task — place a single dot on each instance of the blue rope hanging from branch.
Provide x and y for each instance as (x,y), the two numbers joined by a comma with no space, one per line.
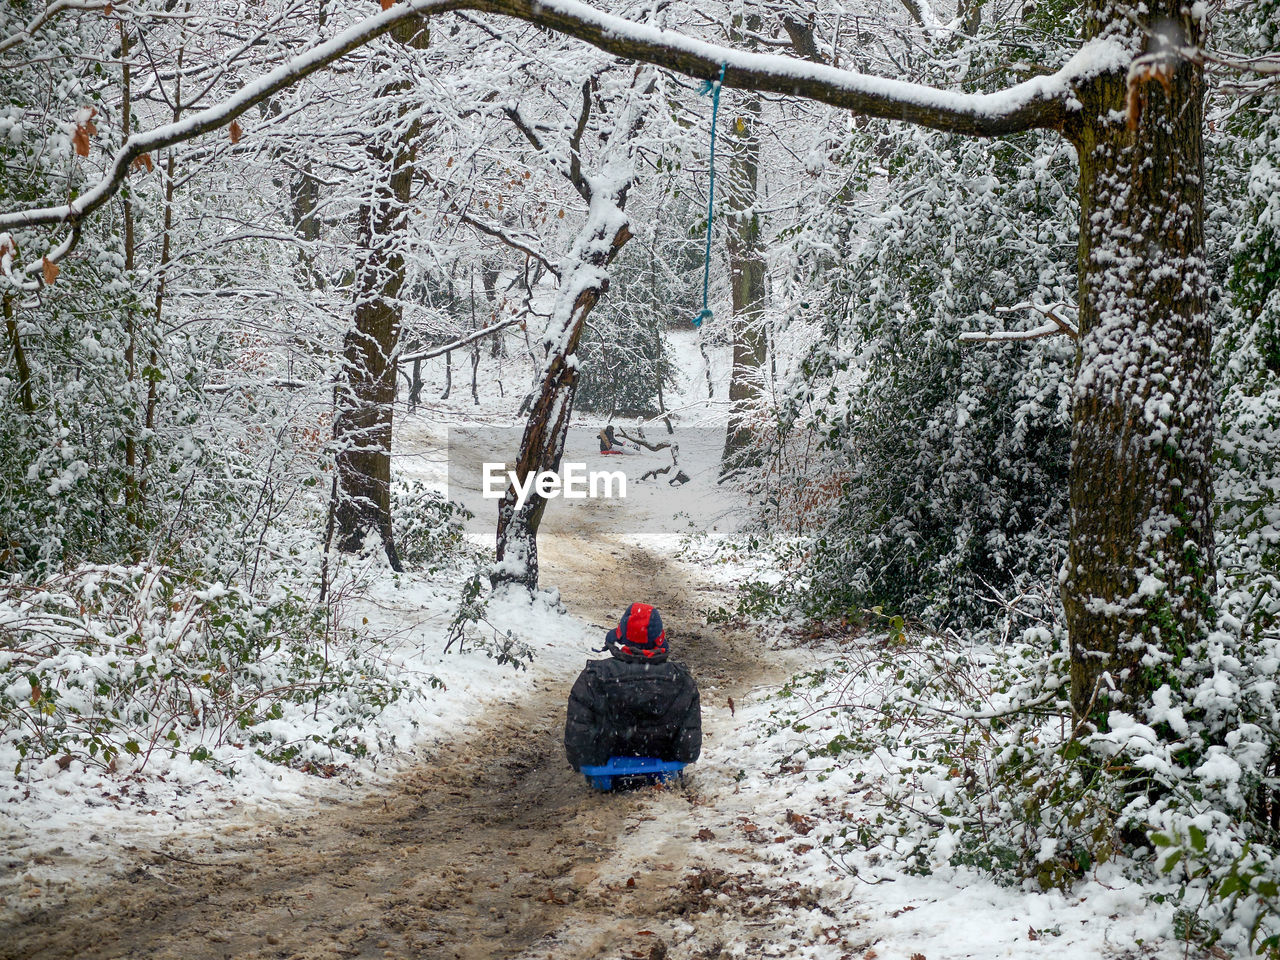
(714,89)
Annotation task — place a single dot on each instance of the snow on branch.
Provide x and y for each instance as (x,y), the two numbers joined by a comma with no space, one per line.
(44,16)
(922,13)
(1035,103)
(1038,102)
(523,243)
(1262,69)
(1056,324)
(213,118)
(461,341)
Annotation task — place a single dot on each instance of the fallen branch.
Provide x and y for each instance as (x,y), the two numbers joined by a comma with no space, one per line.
(641,442)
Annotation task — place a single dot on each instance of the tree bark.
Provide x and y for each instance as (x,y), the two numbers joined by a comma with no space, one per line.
(748,284)
(19,356)
(415,386)
(543,441)
(367,392)
(1141,551)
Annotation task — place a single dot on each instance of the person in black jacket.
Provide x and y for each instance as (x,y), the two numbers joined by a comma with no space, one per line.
(635,704)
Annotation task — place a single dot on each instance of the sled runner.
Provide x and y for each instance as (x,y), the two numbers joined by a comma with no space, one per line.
(650,769)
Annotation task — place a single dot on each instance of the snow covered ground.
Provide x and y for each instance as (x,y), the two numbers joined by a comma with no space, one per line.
(63,826)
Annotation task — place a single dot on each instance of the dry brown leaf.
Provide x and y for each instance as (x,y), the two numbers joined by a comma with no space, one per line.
(731,709)
(235,131)
(106,11)
(143,163)
(917,956)
(50,270)
(80,141)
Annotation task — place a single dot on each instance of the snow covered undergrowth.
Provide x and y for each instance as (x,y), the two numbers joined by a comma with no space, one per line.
(793,787)
(767,826)
(59,823)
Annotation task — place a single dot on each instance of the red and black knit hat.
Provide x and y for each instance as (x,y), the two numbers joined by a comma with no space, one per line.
(639,633)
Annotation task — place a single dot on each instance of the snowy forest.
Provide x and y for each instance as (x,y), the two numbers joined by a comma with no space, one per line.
(941,343)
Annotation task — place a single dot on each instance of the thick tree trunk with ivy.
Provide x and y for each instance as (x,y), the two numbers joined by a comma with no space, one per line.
(1141,551)
(366,394)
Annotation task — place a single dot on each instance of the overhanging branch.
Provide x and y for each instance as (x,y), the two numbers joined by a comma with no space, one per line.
(1037,103)
(1056,325)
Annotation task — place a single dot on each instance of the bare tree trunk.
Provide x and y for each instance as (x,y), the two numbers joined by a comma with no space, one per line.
(1141,554)
(489,280)
(415,386)
(475,347)
(660,365)
(543,442)
(747,279)
(304,196)
(366,397)
(166,254)
(131,480)
(19,356)
(475,369)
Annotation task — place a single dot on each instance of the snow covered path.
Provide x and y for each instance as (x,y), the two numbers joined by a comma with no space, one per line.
(493,848)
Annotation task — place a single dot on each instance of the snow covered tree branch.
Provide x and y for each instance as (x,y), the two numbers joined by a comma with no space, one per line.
(1041,102)
(1056,325)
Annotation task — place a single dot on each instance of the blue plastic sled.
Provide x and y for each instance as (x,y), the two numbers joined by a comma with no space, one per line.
(650,769)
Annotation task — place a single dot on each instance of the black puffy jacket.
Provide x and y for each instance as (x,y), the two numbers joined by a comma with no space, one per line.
(625,707)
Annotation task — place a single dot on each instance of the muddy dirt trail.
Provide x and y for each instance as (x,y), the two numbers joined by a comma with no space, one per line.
(493,848)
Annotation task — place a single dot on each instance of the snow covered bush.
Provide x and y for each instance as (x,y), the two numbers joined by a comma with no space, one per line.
(428,528)
(115,665)
(952,454)
(973,758)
